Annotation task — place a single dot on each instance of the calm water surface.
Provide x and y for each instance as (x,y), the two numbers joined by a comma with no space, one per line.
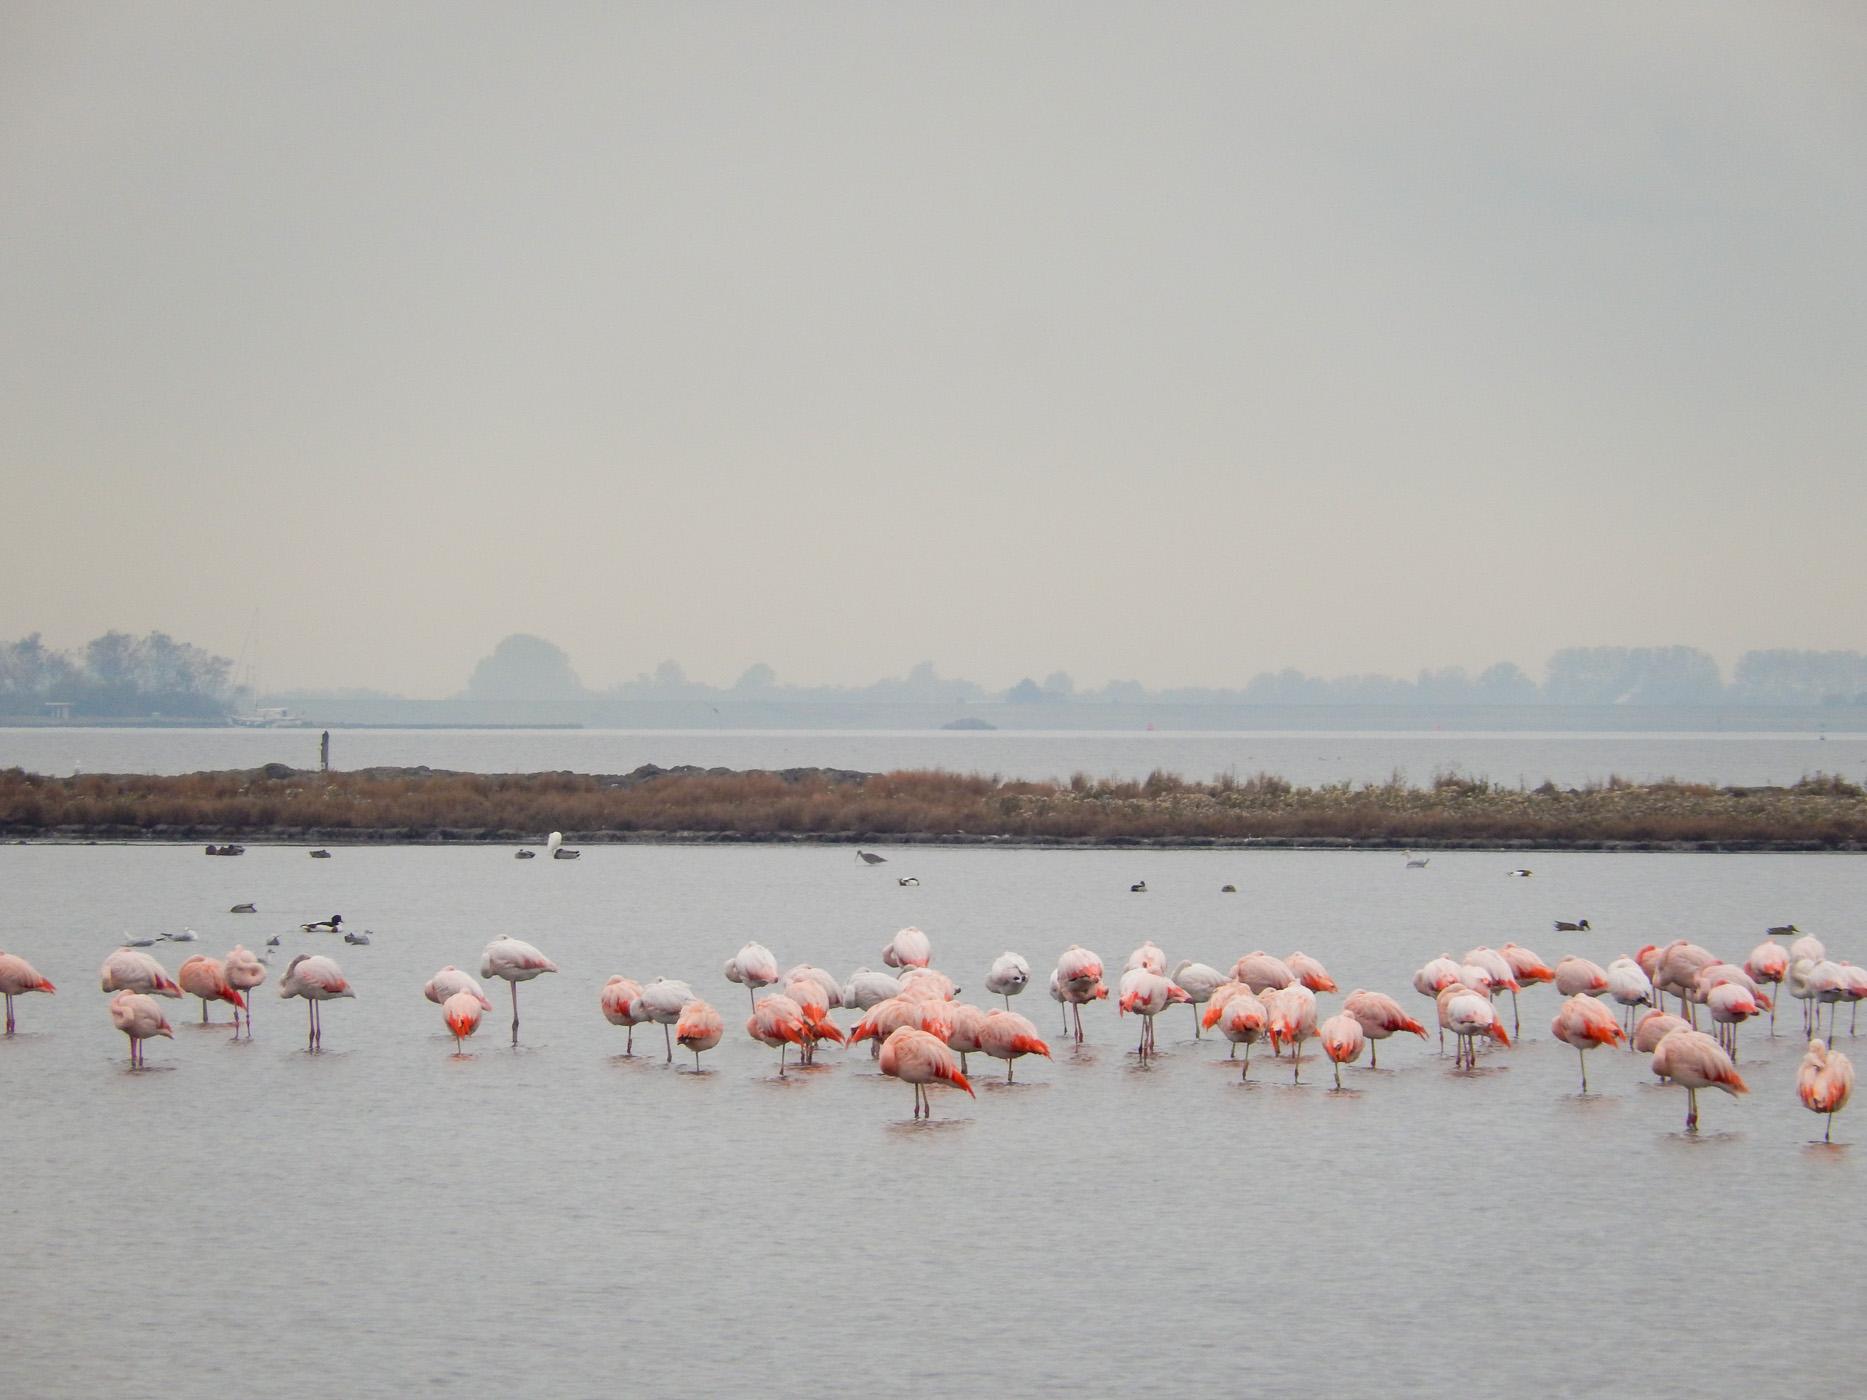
(1307,757)
(386,1219)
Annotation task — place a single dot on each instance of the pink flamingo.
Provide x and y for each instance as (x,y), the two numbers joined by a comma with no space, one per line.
(1379,1016)
(1768,964)
(315,978)
(1147,956)
(1243,1020)
(778,1021)
(619,998)
(1006,1035)
(139,1017)
(1079,980)
(1694,1061)
(1342,1041)
(753,966)
(516,962)
(966,1023)
(17,977)
(1290,1013)
(1468,1015)
(205,977)
(451,979)
(244,973)
(1147,994)
(462,1012)
(1584,1023)
(698,1029)
(1825,1083)
(1309,972)
(128,970)
(1199,982)
(918,1058)
(1434,977)
(1262,972)
(908,948)
(1580,977)
(1730,1004)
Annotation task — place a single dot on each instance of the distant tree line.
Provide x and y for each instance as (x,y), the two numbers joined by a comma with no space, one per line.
(115,676)
(526,667)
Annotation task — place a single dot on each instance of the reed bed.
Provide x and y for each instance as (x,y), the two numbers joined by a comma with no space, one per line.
(1821,812)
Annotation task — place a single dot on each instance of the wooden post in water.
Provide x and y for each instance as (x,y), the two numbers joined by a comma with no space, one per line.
(324,753)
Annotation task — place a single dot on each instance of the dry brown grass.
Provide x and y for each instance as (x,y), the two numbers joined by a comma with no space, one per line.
(1821,812)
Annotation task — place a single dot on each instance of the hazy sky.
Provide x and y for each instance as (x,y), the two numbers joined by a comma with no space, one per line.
(1165,341)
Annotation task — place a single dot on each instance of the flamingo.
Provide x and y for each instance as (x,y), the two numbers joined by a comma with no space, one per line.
(662,1000)
(1379,1016)
(865,989)
(1768,964)
(1654,1027)
(1342,1041)
(965,1024)
(925,982)
(1503,978)
(1290,1014)
(138,1016)
(462,1012)
(1677,972)
(778,1021)
(128,970)
(1584,1022)
(1730,1005)
(1828,986)
(1825,1083)
(918,1059)
(1261,972)
(832,989)
(1079,979)
(1580,977)
(1147,994)
(908,948)
(1468,1015)
(516,962)
(244,973)
(206,978)
(315,978)
(1149,957)
(1009,976)
(755,967)
(699,1028)
(1529,968)
(1628,985)
(621,1003)
(1309,972)
(1242,1020)
(1006,1035)
(814,1004)
(1434,976)
(451,979)
(1694,1061)
(17,977)
(1199,982)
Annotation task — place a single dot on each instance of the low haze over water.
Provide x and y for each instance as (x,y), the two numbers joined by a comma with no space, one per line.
(1304,757)
(386,1219)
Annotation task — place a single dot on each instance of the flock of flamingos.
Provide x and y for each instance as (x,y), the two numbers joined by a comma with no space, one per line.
(922,1035)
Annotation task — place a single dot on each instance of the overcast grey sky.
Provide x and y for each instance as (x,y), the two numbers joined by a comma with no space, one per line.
(1165,341)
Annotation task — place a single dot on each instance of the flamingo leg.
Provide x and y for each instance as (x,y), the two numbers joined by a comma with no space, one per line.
(311,1025)
(1830,1120)
(1516,1027)
(667,1037)
(1338,1074)
(1196,1030)
(515,1011)
(1374,1054)
(1245,1073)
(1691,1110)
(1584,1061)
(1008,1070)
(9,1013)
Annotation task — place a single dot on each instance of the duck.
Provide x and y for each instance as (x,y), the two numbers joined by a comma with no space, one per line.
(907,880)
(565,853)
(244,909)
(320,854)
(1228,889)
(1418,862)
(525,855)
(330,923)
(360,939)
(1784,931)
(1138,887)
(1520,873)
(1564,926)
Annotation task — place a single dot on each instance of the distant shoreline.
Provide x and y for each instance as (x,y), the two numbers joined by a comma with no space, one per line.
(277,804)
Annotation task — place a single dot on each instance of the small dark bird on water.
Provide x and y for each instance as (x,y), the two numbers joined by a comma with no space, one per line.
(330,923)
(1521,874)
(870,858)
(525,855)
(361,939)
(244,909)
(1784,930)
(1228,889)
(320,855)
(565,853)
(907,880)
(1138,887)
(1563,926)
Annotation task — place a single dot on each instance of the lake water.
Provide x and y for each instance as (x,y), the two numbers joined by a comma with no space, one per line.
(560,1220)
(1567,757)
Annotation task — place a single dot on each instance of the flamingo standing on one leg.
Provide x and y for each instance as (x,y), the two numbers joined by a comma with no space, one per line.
(315,978)
(1079,979)
(779,1022)
(908,948)
(753,966)
(1199,982)
(1291,1016)
(139,1017)
(1694,1061)
(1009,976)
(663,999)
(462,1012)
(1825,1083)
(1769,964)
(1380,1016)
(206,978)
(620,999)
(17,977)
(1584,1022)
(699,1028)
(1242,1020)
(516,962)
(1147,994)
(919,1059)
(128,970)
(1342,1041)
(1006,1035)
